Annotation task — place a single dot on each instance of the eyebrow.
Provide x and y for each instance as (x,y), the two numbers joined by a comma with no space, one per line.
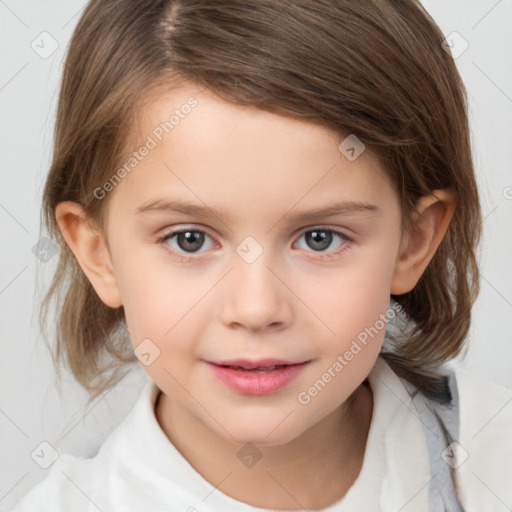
(339,208)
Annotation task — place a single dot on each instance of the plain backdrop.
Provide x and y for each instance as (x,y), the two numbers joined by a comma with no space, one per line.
(31,410)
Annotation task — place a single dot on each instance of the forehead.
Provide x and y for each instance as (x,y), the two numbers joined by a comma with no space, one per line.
(205,148)
(189,114)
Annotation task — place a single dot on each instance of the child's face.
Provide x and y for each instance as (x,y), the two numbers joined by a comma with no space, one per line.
(259,285)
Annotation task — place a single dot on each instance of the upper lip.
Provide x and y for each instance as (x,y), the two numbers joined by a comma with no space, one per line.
(260,363)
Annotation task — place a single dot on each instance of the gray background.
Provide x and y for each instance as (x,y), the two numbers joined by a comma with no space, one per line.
(31,410)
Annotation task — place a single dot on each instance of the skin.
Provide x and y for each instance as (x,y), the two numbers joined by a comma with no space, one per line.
(292,302)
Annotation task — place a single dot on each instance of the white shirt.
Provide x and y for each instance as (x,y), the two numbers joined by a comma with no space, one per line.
(139,469)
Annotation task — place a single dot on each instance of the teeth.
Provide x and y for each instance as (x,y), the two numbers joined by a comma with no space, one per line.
(259,369)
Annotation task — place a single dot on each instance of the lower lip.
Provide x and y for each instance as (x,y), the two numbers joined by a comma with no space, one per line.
(255,382)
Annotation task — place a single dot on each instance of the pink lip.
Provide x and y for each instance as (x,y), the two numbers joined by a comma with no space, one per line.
(256,382)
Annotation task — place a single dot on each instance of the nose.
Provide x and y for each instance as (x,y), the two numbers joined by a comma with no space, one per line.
(255,297)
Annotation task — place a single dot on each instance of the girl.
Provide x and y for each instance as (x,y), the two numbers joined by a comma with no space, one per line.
(271,206)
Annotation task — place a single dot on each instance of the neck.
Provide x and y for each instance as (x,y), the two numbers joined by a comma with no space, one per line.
(312,471)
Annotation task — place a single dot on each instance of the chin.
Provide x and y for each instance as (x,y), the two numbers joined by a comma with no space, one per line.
(265,432)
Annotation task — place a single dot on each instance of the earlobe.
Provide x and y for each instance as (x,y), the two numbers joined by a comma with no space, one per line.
(419,244)
(90,249)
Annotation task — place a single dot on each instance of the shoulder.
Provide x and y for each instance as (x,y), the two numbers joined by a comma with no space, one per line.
(469,381)
(95,483)
(68,484)
(470,435)
(484,446)
(484,406)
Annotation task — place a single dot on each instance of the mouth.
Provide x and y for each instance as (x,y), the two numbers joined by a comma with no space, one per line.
(260,364)
(260,377)
(256,369)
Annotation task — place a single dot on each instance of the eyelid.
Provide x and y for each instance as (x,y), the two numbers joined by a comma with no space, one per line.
(335,229)
(325,227)
(185,227)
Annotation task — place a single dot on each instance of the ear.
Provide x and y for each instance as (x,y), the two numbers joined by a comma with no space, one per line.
(419,244)
(90,249)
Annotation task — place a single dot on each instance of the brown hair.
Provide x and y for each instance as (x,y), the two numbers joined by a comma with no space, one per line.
(375,68)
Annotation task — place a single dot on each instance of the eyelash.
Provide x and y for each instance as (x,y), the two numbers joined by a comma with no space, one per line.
(327,255)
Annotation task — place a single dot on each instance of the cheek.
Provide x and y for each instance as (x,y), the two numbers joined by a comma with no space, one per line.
(161,301)
(350,306)
(358,291)
(149,302)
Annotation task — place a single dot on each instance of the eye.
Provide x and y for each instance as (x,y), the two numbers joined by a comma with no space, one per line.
(186,241)
(320,239)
